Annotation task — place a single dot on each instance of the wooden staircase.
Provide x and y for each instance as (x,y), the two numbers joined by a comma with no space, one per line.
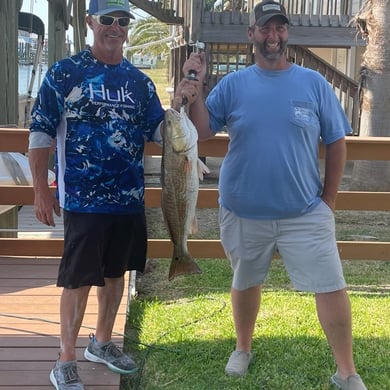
(346,88)
(161,9)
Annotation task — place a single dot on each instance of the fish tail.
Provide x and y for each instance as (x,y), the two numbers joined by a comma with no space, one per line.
(183,265)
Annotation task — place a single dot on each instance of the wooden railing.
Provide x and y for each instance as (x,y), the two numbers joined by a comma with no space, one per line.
(161,9)
(358,148)
(346,89)
(301,12)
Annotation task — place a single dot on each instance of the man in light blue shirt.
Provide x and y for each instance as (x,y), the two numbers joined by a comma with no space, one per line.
(271,195)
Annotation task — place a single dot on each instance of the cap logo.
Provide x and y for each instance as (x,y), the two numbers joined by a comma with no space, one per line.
(116,2)
(271,7)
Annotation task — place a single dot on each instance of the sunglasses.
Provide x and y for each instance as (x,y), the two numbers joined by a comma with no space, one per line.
(106,20)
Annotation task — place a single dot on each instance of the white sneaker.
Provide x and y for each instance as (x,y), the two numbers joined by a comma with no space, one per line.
(238,363)
(353,382)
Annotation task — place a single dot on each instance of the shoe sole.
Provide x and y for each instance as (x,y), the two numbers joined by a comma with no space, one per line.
(53,379)
(235,373)
(92,358)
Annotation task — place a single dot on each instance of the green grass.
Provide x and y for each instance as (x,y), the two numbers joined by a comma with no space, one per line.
(181,332)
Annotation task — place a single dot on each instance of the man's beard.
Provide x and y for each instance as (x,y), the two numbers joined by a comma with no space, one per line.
(271,56)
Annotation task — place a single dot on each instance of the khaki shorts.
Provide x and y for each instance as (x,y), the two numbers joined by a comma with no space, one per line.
(306,244)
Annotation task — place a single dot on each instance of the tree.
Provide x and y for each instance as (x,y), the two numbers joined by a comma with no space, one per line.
(149,36)
(372,21)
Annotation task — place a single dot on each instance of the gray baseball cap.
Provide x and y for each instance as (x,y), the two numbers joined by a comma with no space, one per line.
(266,10)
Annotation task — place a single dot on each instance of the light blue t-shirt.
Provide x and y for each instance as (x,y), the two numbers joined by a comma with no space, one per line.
(101,116)
(275,120)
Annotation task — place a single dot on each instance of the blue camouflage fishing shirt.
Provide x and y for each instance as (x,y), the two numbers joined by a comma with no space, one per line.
(100,115)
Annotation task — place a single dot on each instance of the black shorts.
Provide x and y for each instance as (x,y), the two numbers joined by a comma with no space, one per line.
(98,246)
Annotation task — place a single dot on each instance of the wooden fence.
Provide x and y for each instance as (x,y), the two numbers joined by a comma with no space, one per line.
(358,148)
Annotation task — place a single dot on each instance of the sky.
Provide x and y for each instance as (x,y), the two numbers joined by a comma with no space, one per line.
(40,8)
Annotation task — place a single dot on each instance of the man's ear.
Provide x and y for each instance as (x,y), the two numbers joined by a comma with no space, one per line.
(88,20)
(250,32)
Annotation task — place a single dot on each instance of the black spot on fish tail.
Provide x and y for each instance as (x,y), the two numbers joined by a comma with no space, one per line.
(183,265)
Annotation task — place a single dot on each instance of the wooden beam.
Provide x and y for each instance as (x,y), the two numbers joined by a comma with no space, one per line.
(364,250)
(79,25)
(9,64)
(334,37)
(310,36)
(52,247)
(14,140)
(362,200)
(200,249)
(358,148)
(58,24)
(208,198)
(368,148)
(17,195)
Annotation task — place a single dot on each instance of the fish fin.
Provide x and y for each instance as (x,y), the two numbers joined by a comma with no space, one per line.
(183,265)
(202,169)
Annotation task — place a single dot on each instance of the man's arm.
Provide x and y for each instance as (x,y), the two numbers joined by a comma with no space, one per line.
(44,201)
(198,112)
(336,154)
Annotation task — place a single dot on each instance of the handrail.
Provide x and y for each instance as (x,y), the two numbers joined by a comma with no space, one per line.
(358,148)
(345,88)
(208,198)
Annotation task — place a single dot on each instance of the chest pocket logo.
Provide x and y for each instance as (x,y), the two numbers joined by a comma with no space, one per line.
(303,115)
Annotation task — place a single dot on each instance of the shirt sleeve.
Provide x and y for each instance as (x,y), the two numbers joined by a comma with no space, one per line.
(38,139)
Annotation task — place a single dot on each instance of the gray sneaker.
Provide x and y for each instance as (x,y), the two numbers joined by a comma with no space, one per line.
(65,376)
(111,356)
(238,363)
(353,382)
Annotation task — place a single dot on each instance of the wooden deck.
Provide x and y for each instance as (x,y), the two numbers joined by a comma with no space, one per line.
(29,328)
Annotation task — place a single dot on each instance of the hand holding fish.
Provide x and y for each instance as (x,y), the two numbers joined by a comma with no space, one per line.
(191,86)
(196,63)
(186,93)
(199,115)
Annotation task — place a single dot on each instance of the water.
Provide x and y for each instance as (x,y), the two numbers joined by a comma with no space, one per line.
(25,74)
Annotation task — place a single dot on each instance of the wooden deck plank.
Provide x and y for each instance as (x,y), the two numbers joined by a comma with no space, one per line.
(39,341)
(39,326)
(29,327)
(39,375)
